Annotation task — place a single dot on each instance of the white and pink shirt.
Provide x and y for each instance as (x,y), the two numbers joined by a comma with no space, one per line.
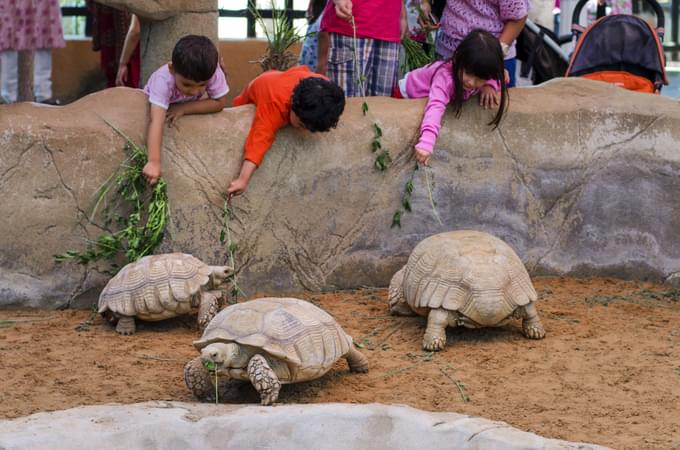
(162,89)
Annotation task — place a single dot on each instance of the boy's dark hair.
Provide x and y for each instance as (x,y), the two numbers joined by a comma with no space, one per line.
(479,54)
(318,103)
(195,57)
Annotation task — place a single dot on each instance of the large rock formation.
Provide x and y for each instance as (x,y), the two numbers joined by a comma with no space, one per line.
(321,427)
(164,22)
(581,178)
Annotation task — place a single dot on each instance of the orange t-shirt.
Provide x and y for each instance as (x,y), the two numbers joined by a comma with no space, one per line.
(272,94)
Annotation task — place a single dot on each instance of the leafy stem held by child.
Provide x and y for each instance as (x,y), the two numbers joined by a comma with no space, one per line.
(177,89)
(476,64)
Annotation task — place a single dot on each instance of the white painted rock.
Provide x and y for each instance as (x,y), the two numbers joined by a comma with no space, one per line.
(187,426)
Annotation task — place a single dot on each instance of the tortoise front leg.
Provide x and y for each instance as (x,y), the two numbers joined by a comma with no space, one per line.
(531,324)
(435,334)
(201,382)
(207,308)
(126,325)
(264,379)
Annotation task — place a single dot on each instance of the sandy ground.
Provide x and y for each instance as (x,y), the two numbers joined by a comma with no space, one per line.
(608,371)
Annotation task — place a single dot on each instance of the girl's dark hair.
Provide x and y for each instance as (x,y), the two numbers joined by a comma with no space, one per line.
(315,9)
(479,54)
(318,103)
(195,57)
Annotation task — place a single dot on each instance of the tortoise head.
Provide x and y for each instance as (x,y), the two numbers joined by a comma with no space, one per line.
(224,355)
(219,276)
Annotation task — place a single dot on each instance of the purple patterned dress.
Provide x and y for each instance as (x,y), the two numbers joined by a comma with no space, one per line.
(462,16)
(30,25)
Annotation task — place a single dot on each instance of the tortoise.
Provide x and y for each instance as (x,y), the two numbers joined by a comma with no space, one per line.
(158,287)
(269,342)
(467,278)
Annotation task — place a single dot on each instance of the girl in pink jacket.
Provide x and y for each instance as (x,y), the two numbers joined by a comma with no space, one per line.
(476,66)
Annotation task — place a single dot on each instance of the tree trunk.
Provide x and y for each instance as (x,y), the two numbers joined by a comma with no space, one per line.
(25,63)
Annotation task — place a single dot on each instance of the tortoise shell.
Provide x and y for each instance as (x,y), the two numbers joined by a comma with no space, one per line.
(471,272)
(155,287)
(306,337)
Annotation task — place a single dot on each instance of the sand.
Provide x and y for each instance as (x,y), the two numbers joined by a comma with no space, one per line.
(608,371)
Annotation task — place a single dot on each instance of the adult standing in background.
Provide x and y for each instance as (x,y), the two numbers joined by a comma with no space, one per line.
(110,27)
(29,25)
(380,25)
(309,54)
(502,18)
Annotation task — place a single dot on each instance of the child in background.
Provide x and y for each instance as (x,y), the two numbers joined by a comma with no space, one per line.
(177,89)
(478,61)
(297,97)
(309,53)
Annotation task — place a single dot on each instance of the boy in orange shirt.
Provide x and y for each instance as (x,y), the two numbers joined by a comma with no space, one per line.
(298,97)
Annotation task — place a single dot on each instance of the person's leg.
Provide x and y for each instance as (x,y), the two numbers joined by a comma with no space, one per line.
(383,69)
(9,77)
(341,64)
(42,74)
(511,67)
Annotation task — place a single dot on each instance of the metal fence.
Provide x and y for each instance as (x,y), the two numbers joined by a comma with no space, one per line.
(81,11)
(671,43)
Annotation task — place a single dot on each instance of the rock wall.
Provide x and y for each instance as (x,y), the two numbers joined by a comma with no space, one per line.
(187,426)
(581,179)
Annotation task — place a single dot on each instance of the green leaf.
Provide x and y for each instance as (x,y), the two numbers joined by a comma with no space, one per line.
(377,130)
(210,365)
(406,203)
(409,187)
(375,146)
(222,236)
(396,219)
(364,108)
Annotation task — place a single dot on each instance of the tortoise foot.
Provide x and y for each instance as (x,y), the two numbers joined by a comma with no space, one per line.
(199,381)
(126,326)
(264,380)
(533,330)
(434,343)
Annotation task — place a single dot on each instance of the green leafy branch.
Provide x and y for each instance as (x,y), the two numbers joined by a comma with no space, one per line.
(405,205)
(382,155)
(225,237)
(141,216)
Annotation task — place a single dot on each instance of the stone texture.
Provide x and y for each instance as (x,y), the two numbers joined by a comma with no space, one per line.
(164,22)
(175,425)
(581,179)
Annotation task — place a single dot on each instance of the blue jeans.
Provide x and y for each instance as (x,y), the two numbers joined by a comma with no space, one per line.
(511,66)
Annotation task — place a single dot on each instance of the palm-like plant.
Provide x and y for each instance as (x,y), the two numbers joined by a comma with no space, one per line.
(279,39)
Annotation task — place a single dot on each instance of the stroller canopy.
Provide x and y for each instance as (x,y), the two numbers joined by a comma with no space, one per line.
(620,43)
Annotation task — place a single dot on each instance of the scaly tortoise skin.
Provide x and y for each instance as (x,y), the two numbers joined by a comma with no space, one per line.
(269,342)
(158,287)
(467,278)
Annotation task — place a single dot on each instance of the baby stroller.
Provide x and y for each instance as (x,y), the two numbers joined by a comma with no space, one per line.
(620,49)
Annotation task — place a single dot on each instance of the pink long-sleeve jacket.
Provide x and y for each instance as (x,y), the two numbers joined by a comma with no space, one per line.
(436,82)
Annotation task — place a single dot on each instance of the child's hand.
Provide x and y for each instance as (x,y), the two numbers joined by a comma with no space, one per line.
(488,97)
(174,113)
(422,156)
(236,187)
(151,172)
